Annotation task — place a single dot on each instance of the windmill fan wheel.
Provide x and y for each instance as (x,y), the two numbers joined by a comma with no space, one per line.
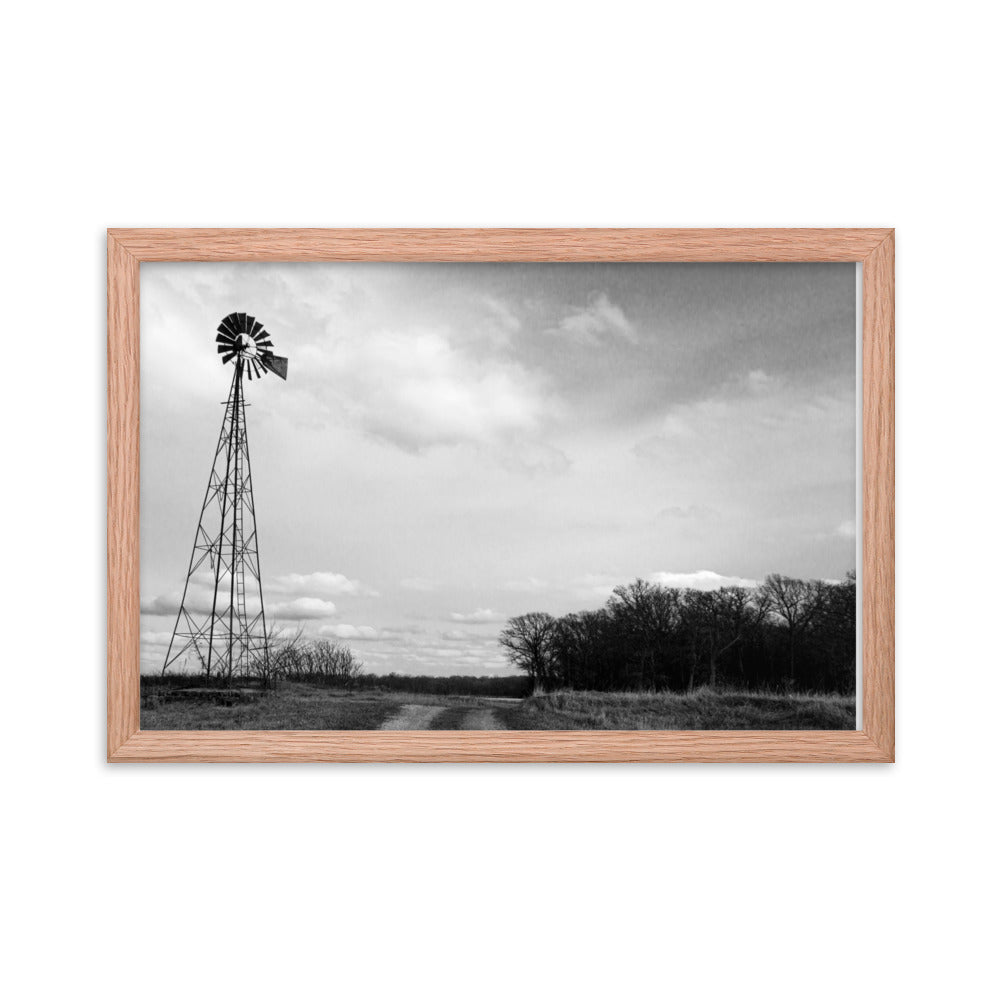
(243,338)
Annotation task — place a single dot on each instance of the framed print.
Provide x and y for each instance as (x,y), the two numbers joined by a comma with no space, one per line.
(500,495)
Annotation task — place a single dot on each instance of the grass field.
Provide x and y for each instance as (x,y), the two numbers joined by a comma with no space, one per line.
(703,709)
(295,706)
(306,706)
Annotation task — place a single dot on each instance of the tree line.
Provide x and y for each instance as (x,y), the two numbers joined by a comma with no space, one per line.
(334,664)
(510,686)
(785,634)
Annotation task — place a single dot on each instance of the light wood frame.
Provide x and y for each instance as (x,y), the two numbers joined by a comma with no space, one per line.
(874,248)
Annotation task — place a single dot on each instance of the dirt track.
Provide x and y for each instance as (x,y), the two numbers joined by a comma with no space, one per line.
(413,717)
(481,718)
(410,717)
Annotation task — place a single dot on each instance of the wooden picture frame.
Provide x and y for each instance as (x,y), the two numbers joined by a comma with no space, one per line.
(873,248)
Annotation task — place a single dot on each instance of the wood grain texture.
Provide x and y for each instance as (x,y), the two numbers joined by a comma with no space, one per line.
(362,746)
(878,576)
(501,244)
(874,247)
(123,495)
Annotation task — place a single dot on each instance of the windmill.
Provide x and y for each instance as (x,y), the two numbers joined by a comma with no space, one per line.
(218,623)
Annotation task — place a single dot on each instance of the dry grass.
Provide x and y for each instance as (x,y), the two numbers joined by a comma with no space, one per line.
(702,709)
(295,706)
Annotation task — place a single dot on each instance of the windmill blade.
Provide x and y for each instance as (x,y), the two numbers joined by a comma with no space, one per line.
(276,364)
(228,357)
(265,341)
(256,328)
(228,325)
(241,322)
(258,368)
(224,338)
(223,348)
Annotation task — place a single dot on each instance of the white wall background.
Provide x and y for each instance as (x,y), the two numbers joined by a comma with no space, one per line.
(468,881)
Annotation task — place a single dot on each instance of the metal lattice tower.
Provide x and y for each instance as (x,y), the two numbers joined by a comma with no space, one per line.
(221,627)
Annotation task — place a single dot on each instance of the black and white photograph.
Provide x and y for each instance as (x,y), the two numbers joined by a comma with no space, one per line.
(499,496)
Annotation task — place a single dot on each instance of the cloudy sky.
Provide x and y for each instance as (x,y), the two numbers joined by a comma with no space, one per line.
(460,443)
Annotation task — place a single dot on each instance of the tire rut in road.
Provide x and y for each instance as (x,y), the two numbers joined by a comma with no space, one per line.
(482,718)
(413,717)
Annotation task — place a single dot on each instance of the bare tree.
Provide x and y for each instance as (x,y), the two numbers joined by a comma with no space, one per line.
(795,603)
(283,649)
(317,660)
(723,619)
(527,642)
(335,663)
(647,614)
(576,645)
(834,626)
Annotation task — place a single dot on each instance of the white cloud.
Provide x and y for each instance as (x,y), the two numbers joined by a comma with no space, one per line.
(502,320)
(418,583)
(362,632)
(530,585)
(597,586)
(600,320)
(162,604)
(402,631)
(600,586)
(847,529)
(481,616)
(293,597)
(305,608)
(758,429)
(702,579)
(688,512)
(198,601)
(474,639)
(534,457)
(415,389)
(321,585)
(759,381)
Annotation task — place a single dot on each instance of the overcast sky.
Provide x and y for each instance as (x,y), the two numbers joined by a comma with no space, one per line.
(460,443)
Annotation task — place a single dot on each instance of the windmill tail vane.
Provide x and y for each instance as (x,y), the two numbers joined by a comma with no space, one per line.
(220,622)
